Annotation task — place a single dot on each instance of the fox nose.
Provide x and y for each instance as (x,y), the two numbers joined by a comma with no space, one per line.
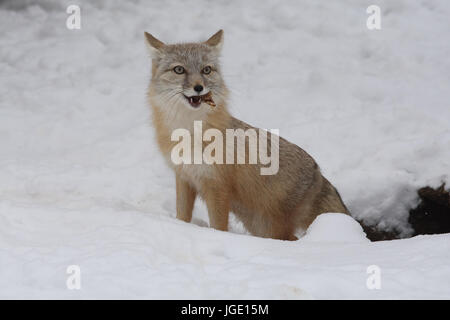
(198,88)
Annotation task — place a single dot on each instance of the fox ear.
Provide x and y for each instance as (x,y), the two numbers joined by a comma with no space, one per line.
(216,40)
(154,45)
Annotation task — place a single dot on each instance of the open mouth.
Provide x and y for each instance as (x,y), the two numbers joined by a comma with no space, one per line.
(196,101)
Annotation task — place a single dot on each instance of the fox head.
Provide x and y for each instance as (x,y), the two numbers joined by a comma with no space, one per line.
(184,74)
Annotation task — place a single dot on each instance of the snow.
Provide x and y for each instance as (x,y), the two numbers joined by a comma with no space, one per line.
(82,182)
(335,228)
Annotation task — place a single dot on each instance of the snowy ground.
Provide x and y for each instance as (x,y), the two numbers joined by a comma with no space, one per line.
(81,181)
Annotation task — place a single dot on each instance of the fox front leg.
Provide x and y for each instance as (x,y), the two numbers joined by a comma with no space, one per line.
(185,199)
(218,204)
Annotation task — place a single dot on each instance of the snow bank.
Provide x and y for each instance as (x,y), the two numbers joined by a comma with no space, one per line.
(336,228)
(82,182)
(128,253)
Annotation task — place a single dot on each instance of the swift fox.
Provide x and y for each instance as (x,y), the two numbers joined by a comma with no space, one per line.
(187,87)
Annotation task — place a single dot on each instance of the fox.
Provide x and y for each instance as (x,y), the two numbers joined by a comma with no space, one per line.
(279,206)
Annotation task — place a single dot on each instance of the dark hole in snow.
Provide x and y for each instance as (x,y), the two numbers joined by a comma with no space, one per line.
(431,216)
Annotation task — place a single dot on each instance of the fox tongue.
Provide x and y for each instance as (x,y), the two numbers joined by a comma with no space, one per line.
(195,99)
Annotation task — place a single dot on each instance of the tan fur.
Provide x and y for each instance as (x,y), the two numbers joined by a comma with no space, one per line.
(272,206)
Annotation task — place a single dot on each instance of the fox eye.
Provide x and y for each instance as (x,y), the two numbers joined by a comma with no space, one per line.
(206,70)
(178,70)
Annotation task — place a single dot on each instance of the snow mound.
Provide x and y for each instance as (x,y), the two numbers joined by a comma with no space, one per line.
(335,227)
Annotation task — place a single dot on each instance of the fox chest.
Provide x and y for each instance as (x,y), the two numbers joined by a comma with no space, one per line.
(196,174)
